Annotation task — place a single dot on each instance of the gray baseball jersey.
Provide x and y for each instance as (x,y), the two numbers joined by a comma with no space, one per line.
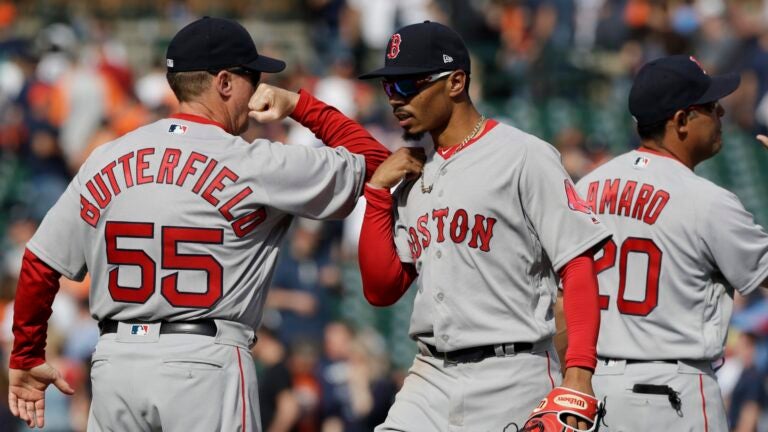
(180,220)
(680,246)
(501,218)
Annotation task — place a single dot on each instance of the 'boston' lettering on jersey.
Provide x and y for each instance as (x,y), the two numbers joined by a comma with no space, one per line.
(458,228)
(646,205)
(133,169)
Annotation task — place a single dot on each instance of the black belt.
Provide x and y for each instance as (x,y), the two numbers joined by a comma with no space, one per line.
(199,327)
(475,354)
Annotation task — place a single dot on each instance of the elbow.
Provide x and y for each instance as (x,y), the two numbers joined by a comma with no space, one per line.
(375,295)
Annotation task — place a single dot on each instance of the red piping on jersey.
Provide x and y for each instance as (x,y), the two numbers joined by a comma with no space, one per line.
(446,153)
(242,384)
(197,119)
(703,402)
(549,371)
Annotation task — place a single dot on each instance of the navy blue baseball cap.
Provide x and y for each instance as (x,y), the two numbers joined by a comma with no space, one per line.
(668,84)
(422,48)
(213,44)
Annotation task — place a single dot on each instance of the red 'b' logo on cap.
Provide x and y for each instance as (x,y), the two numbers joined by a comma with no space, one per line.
(394,47)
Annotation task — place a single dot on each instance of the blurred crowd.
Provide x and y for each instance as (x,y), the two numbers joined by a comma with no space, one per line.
(76,75)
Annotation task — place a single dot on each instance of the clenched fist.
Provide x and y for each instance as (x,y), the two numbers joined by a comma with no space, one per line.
(406,162)
(270,103)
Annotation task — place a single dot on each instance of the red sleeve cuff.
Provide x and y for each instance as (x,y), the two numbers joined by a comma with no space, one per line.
(300,111)
(380,198)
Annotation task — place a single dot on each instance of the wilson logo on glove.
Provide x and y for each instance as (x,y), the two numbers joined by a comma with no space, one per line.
(560,403)
(570,401)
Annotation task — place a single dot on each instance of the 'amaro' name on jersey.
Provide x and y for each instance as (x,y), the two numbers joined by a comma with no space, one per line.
(458,227)
(133,169)
(646,205)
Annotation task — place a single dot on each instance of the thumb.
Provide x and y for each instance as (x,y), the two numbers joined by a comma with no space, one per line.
(63,385)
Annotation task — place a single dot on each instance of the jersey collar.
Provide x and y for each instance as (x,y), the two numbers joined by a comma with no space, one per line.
(196,119)
(658,153)
(450,151)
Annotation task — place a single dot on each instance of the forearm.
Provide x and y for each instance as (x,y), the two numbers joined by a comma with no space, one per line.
(582,312)
(37,287)
(335,129)
(286,414)
(385,277)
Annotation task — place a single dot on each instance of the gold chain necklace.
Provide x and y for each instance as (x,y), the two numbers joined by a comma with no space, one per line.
(475,130)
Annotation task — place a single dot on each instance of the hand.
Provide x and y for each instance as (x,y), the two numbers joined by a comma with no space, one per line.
(763,139)
(406,162)
(270,103)
(26,392)
(578,379)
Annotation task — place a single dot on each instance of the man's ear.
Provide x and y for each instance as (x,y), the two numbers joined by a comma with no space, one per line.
(456,82)
(222,81)
(680,120)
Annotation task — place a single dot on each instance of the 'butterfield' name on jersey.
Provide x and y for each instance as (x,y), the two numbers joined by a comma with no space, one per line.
(176,167)
(644,203)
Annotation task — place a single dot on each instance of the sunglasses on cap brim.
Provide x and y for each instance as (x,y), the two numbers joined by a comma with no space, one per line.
(407,87)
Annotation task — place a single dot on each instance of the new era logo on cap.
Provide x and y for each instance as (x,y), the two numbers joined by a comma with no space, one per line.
(169,63)
(447,58)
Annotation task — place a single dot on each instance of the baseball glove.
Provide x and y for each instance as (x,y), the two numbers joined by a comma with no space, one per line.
(549,415)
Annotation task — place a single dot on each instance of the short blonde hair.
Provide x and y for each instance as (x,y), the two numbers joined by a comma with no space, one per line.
(188,85)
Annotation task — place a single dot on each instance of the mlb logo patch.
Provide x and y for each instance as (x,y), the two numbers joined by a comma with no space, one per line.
(641,162)
(177,129)
(139,329)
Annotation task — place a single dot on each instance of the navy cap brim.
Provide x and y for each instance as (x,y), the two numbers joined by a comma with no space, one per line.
(391,71)
(720,87)
(266,64)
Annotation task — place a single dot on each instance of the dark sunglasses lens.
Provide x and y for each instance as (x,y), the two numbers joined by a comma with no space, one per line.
(407,87)
(389,88)
(404,88)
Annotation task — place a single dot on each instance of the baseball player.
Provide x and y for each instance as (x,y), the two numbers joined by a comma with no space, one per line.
(486,227)
(179,224)
(681,246)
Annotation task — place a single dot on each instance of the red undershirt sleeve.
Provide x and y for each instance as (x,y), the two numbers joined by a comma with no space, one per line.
(38,284)
(582,311)
(335,129)
(385,277)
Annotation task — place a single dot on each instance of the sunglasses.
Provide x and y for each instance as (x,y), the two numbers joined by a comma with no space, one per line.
(708,107)
(407,87)
(253,76)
